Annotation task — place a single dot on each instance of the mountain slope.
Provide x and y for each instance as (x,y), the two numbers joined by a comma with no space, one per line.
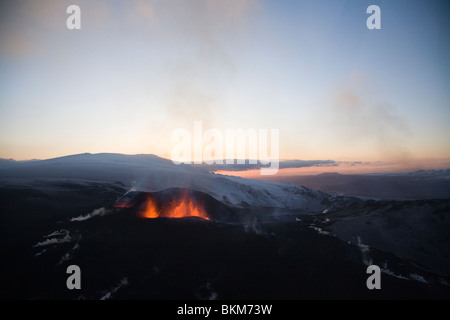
(151,173)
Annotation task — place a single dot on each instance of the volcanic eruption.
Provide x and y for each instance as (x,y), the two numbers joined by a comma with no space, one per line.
(178,207)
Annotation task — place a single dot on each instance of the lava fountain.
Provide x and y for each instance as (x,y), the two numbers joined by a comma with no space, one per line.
(177,208)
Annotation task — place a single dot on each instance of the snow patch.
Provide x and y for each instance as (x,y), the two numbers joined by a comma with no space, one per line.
(40,253)
(364,248)
(65,258)
(66,238)
(97,212)
(417,277)
(123,282)
(213,296)
(58,233)
(319,230)
(68,255)
(389,272)
(210,294)
(364,252)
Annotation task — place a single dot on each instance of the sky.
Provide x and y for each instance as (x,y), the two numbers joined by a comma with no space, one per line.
(138,70)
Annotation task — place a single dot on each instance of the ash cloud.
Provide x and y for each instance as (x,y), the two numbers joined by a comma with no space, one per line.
(361,118)
(199,77)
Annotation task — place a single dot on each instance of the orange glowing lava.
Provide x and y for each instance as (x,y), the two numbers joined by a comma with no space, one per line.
(150,210)
(178,208)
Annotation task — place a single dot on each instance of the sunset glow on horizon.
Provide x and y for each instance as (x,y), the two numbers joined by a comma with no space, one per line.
(348,168)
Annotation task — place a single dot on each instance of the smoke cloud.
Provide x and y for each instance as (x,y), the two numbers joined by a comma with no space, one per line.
(362,119)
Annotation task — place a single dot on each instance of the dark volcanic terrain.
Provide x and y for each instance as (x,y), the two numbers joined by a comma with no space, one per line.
(261,240)
(238,254)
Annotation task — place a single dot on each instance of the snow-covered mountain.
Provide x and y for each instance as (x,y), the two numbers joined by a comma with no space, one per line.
(150,173)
